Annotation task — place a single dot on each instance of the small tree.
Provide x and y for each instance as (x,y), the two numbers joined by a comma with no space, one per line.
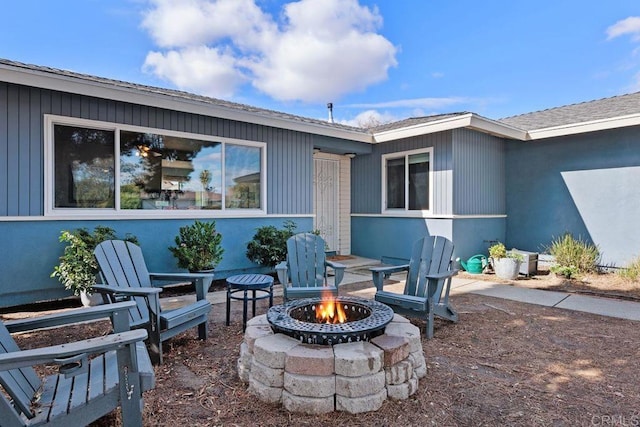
(269,244)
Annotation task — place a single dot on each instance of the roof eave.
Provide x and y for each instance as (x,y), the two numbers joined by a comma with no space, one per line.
(52,81)
(584,127)
(469,120)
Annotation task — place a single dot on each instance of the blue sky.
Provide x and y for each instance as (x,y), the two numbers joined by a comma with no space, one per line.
(389,59)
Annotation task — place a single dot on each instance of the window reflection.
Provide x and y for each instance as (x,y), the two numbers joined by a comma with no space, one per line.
(242,177)
(84,167)
(407,182)
(167,172)
(156,171)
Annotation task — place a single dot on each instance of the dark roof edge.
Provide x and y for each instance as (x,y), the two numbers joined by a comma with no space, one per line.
(69,81)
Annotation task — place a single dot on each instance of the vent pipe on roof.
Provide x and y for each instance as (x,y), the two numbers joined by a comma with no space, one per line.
(330,108)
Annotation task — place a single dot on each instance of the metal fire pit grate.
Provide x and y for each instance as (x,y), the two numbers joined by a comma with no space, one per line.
(365,320)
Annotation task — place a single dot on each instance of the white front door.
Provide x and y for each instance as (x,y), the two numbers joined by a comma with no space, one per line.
(326,201)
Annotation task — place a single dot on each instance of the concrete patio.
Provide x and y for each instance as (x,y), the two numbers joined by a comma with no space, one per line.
(357,281)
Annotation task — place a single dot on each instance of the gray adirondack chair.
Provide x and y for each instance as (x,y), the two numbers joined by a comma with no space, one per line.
(84,389)
(304,273)
(428,282)
(124,275)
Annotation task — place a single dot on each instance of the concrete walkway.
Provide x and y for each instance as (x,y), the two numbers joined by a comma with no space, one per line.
(357,272)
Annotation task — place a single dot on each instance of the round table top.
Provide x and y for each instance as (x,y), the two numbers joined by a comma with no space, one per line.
(250,281)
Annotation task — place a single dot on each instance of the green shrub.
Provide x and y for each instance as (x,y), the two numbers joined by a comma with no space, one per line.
(198,246)
(269,244)
(78,267)
(631,271)
(573,256)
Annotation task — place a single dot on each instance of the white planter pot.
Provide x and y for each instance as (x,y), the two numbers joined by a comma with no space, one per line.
(506,268)
(90,300)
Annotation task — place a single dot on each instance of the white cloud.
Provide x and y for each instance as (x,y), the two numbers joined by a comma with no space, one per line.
(200,69)
(630,25)
(370,118)
(417,103)
(319,51)
(182,23)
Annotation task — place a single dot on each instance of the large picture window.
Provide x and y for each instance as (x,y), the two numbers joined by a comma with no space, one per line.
(407,179)
(129,169)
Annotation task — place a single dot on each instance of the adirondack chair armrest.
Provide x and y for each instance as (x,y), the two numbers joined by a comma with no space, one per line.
(131,292)
(282,271)
(381,273)
(201,281)
(120,309)
(442,275)
(434,278)
(53,354)
(338,270)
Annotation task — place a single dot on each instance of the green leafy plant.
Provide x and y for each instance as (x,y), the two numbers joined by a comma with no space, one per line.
(498,251)
(269,244)
(78,267)
(573,256)
(198,246)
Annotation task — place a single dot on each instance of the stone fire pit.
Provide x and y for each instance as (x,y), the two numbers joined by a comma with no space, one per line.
(354,377)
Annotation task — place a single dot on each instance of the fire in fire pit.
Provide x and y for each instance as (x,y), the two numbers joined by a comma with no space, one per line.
(330,312)
(327,321)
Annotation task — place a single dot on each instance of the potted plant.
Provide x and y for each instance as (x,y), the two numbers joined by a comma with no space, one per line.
(505,264)
(78,267)
(198,247)
(269,244)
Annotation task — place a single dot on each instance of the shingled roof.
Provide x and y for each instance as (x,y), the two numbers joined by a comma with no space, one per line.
(601,109)
(607,113)
(186,96)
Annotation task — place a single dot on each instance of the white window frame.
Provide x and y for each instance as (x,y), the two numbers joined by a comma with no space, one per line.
(77,213)
(405,211)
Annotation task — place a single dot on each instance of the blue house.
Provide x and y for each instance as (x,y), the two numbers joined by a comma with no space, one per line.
(80,151)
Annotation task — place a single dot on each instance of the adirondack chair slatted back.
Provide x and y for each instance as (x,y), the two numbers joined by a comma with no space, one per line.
(122,265)
(20,384)
(306,259)
(427,285)
(430,255)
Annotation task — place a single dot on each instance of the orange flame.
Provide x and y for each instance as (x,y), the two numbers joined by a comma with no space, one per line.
(330,312)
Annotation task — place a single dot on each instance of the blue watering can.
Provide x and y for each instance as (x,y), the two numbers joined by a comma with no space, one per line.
(475,264)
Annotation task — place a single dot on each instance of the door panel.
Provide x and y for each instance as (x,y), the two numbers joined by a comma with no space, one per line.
(325,200)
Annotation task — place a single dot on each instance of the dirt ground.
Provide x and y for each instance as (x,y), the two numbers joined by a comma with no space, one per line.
(503,363)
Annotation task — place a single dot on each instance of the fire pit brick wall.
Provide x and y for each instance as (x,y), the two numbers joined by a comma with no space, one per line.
(353,377)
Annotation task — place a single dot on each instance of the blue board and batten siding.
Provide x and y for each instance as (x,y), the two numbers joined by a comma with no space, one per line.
(468,199)
(30,244)
(22,111)
(587,185)
(478,174)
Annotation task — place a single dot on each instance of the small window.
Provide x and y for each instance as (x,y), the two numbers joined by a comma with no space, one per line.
(124,168)
(407,180)
(242,177)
